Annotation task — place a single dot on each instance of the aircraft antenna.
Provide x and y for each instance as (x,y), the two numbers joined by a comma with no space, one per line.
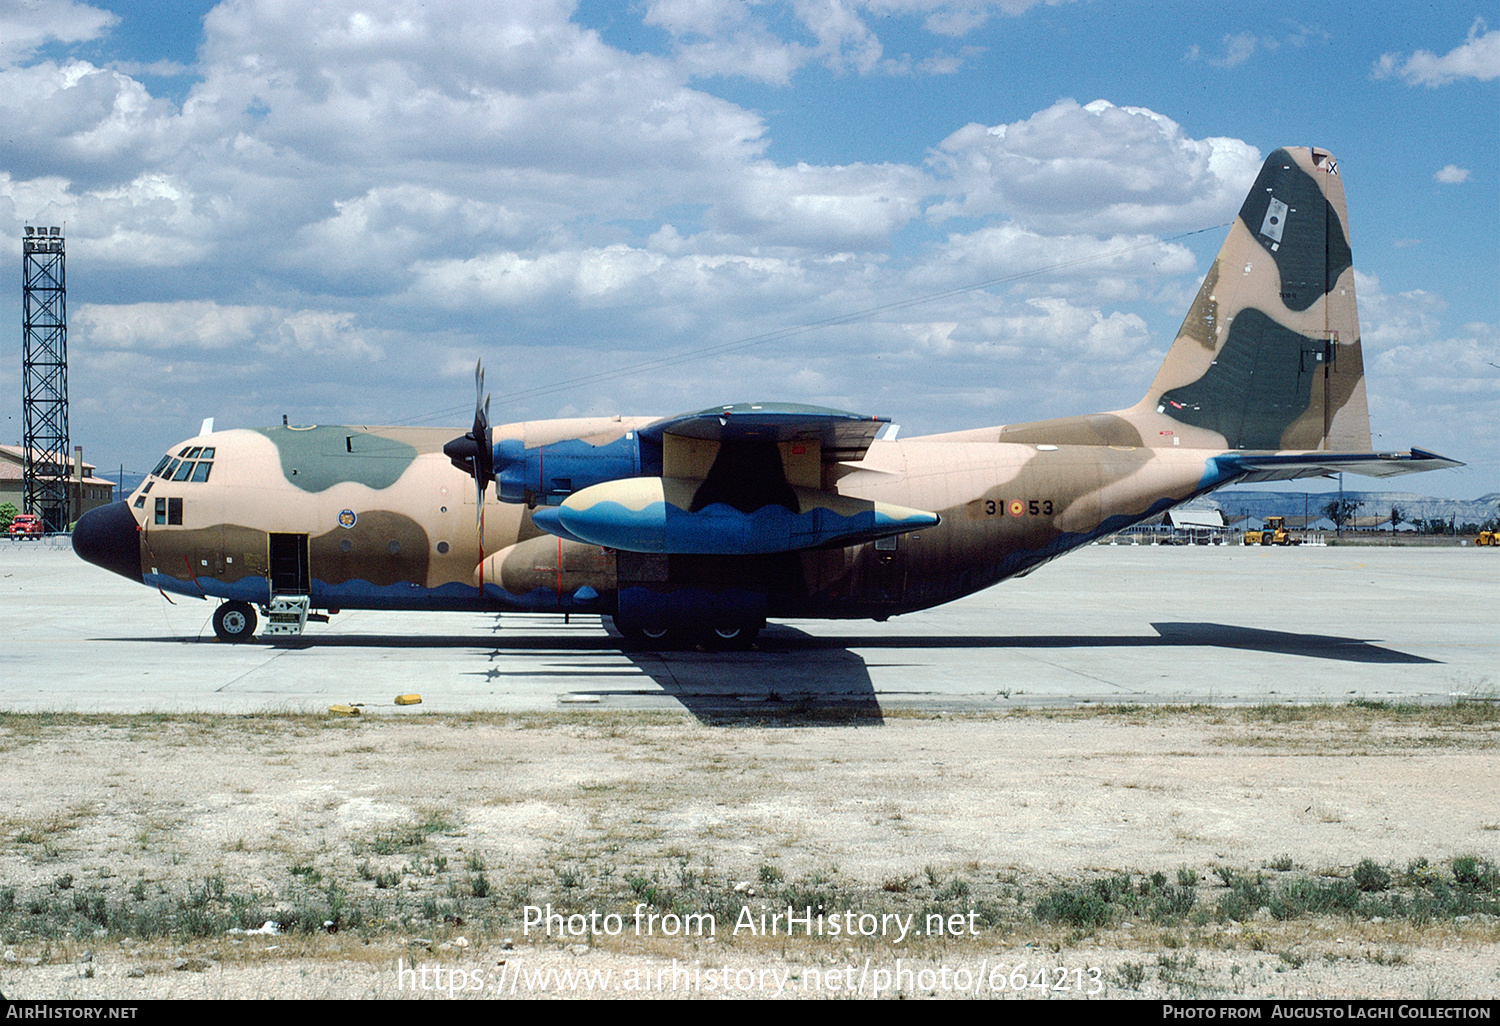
(44,373)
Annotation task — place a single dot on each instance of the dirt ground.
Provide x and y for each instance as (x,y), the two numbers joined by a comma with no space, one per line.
(139,853)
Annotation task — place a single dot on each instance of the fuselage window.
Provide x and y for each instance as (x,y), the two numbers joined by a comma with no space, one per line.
(174,511)
(200,473)
(161,510)
(183,472)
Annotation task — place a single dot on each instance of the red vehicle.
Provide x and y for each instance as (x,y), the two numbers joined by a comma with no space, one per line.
(27,525)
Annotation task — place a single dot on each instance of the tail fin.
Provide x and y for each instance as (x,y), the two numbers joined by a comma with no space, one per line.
(1269,356)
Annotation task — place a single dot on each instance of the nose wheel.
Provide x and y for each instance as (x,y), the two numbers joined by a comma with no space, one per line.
(235,622)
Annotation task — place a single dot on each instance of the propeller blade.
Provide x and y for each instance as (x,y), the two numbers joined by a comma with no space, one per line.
(485,463)
(474,453)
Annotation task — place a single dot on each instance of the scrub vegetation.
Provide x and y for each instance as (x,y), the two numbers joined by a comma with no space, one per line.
(242,838)
(436,898)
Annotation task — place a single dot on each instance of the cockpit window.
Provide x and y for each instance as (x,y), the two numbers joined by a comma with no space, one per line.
(184,451)
(185,469)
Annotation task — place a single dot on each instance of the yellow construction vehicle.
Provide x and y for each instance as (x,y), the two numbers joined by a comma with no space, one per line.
(1274,533)
(1488,538)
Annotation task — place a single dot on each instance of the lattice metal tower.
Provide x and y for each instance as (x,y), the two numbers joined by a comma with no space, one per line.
(44,372)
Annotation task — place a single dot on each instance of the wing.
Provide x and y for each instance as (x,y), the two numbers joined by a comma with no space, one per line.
(745,479)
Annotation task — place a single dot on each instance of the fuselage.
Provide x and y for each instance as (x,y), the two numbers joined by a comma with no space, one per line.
(366,517)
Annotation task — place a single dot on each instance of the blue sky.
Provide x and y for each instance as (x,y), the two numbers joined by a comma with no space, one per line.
(329,210)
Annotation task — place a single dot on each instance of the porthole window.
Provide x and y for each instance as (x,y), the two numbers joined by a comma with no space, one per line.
(442,548)
(345,545)
(395,547)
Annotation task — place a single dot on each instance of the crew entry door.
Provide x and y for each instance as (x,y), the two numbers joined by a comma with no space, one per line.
(289,572)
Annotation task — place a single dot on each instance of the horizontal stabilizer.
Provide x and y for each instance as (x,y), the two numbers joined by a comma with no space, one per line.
(1250,467)
(654,515)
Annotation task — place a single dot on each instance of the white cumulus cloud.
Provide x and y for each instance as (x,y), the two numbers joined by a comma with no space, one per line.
(1478,57)
(26,26)
(1096,168)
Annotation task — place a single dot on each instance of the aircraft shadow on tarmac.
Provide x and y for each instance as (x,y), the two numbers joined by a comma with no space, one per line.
(788,680)
(792,678)
(781,685)
(1169,635)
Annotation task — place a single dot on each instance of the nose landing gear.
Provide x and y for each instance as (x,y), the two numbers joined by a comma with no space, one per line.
(235,622)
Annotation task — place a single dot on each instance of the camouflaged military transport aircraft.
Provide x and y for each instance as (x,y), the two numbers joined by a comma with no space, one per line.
(697,528)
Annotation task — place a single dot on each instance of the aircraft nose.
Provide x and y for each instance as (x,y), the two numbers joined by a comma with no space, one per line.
(108,537)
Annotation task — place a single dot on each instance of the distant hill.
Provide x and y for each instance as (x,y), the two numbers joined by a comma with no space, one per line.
(1374,507)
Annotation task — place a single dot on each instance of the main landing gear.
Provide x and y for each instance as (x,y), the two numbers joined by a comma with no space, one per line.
(728,637)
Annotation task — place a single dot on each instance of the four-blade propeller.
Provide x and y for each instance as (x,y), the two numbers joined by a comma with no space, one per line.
(474,453)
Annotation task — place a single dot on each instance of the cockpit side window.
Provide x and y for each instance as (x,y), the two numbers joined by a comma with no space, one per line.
(168,511)
(201,471)
(164,461)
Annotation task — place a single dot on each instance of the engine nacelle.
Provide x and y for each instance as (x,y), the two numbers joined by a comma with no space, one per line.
(550,473)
